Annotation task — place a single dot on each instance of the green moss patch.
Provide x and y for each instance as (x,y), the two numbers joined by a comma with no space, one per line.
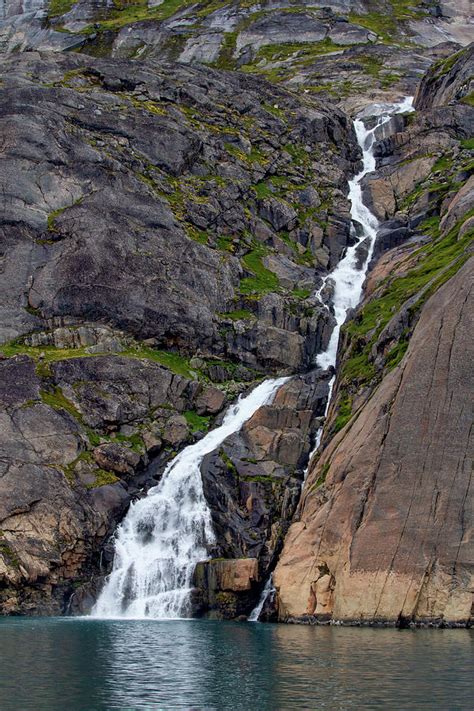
(197,423)
(102,478)
(264,280)
(60,7)
(238,315)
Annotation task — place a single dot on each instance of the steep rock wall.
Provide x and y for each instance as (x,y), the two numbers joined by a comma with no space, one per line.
(387,536)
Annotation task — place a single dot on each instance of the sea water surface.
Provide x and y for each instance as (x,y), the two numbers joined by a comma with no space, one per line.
(92,665)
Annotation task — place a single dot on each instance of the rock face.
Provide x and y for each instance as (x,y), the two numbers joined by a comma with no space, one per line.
(387,536)
(383,531)
(73,442)
(165,187)
(353,53)
(162,233)
(226,588)
(450,80)
(164,230)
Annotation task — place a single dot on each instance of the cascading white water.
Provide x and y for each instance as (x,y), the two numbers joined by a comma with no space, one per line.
(166,533)
(257,610)
(347,279)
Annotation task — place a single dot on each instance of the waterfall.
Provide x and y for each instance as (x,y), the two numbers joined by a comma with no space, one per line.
(257,610)
(166,533)
(347,279)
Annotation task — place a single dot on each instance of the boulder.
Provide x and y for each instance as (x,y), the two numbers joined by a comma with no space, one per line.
(226,587)
(114,457)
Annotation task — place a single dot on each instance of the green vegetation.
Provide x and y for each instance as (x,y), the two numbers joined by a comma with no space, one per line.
(382,24)
(259,478)
(374,67)
(169,359)
(197,235)
(230,466)
(468,144)
(238,315)
(344,414)
(60,7)
(7,552)
(197,423)
(387,24)
(151,106)
(102,477)
(262,190)
(56,213)
(396,354)
(125,13)
(469,100)
(52,218)
(56,399)
(322,476)
(49,354)
(225,244)
(301,293)
(443,66)
(264,280)
(275,110)
(134,441)
(226,55)
(431,266)
(305,51)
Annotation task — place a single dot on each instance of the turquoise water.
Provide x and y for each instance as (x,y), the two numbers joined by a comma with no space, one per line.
(91,665)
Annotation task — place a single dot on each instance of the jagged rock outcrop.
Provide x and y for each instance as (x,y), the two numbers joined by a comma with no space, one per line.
(173,219)
(178,219)
(448,81)
(350,52)
(165,188)
(226,589)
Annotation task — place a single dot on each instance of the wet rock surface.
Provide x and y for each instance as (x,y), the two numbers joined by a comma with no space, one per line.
(385,537)
(253,481)
(145,284)
(226,589)
(164,228)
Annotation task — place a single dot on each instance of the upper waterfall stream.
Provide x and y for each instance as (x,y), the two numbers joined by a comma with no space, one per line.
(166,533)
